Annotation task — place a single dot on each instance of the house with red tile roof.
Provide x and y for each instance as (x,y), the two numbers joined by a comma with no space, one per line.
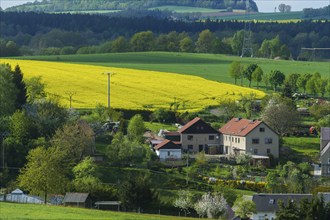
(167,150)
(197,136)
(249,136)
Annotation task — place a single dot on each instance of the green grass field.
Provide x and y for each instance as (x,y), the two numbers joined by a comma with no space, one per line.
(186,9)
(288,16)
(35,212)
(209,66)
(305,145)
(88,12)
(303,148)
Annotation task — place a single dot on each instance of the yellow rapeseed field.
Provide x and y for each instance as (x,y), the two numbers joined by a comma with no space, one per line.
(130,88)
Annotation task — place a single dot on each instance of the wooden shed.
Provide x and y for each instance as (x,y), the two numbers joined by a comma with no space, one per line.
(77,200)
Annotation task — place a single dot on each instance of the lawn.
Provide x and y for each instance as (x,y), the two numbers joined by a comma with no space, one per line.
(209,66)
(305,145)
(30,211)
(155,126)
(302,149)
(130,88)
(186,9)
(285,16)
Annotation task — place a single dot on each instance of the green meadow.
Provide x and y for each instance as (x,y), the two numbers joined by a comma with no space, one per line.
(209,66)
(186,9)
(265,16)
(37,212)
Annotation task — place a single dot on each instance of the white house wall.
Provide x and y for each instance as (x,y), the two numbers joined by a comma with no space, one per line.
(262,147)
(245,145)
(264,216)
(165,154)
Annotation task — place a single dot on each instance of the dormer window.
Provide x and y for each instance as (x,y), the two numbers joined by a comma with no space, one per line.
(272,201)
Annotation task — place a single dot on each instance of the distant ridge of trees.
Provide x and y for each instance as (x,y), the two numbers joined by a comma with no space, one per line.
(27,33)
(83,5)
(322,13)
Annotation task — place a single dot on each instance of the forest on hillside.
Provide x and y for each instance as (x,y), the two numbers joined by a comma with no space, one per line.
(32,32)
(83,5)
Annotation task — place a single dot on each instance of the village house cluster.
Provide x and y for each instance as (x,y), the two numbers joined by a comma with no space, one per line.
(238,136)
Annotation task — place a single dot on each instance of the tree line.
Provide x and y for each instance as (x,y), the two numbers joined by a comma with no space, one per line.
(33,32)
(314,84)
(81,5)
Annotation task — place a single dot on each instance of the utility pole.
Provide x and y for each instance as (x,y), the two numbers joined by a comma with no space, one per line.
(187,167)
(109,75)
(247,49)
(3,136)
(70,94)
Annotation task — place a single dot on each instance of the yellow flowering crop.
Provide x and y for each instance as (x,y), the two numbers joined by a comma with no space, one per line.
(130,88)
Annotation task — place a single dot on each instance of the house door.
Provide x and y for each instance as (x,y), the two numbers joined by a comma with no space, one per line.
(221,150)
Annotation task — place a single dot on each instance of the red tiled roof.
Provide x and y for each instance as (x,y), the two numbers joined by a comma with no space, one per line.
(186,126)
(172,133)
(239,127)
(166,144)
(196,126)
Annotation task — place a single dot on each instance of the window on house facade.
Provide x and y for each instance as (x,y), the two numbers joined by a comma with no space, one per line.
(268,151)
(262,129)
(268,140)
(190,137)
(328,160)
(168,153)
(239,140)
(328,169)
(255,151)
(190,147)
(255,141)
(211,137)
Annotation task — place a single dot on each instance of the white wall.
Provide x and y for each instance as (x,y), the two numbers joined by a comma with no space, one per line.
(164,154)
(261,216)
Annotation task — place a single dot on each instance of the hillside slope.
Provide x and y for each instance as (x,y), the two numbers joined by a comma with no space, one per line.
(83,5)
(130,89)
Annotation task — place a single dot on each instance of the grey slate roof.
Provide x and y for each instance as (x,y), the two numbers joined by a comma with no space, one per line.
(269,202)
(325,133)
(75,197)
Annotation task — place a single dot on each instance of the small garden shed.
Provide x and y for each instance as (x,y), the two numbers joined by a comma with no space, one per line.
(77,200)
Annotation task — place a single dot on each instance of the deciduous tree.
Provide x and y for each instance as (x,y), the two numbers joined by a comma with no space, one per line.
(35,89)
(212,206)
(235,70)
(276,78)
(245,208)
(184,201)
(86,176)
(136,128)
(280,115)
(43,173)
(204,43)
(142,41)
(257,75)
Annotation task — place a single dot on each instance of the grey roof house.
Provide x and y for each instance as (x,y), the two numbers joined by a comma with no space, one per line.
(268,204)
(325,151)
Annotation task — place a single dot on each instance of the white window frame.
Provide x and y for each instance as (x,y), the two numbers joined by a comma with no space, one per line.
(268,140)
